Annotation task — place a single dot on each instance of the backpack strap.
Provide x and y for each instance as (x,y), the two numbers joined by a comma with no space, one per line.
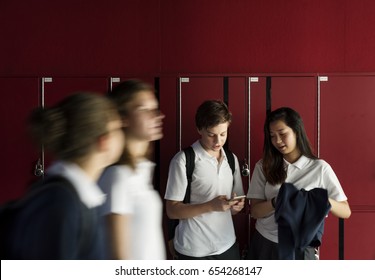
(230,158)
(190,164)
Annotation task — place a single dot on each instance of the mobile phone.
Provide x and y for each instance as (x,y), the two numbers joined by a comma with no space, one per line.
(237,198)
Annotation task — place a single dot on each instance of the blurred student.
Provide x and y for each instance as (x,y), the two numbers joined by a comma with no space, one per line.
(206,229)
(287,157)
(60,220)
(133,210)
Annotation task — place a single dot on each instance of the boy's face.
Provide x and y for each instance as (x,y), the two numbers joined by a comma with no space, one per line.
(213,138)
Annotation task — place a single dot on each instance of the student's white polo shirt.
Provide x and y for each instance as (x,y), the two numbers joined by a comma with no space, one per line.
(306,174)
(210,233)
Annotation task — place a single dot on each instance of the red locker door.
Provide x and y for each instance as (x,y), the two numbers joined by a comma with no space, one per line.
(19,156)
(193,91)
(300,94)
(238,139)
(238,103)
(257,90)
(169,143)
(257,95)
(347,140)
(55,89)
(116,80)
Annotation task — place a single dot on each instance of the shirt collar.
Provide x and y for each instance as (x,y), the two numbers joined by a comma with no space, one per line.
(300,163)
(88,191)
(146,168)
(202,153)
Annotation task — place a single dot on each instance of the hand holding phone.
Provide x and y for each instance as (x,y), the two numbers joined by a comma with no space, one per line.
(237,198)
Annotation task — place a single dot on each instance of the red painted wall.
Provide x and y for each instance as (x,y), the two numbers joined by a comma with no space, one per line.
(118,37)
(267,36)
(79,38)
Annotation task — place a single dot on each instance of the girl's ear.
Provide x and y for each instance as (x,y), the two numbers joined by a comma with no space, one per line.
(103,142)
(125,122)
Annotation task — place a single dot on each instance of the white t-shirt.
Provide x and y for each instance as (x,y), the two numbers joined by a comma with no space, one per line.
(306,174)
(130,192)
(209,233)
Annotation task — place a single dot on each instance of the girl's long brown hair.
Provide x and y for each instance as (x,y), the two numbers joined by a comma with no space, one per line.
(273,162)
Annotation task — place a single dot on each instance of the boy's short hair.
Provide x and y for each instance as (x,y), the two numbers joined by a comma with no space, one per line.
(212,113)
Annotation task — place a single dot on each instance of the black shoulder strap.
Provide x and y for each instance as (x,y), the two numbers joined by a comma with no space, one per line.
(190,164)
(230,158)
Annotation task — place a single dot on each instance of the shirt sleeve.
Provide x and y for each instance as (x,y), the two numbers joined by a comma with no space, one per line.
(114,182)
(257,183)
(177,181)
(332,183)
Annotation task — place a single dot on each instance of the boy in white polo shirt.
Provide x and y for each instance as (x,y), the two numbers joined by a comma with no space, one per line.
(206,228)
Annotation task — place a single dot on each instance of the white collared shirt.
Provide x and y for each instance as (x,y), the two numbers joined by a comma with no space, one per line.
(130,192)
(88,191)
(213,232)
(306,174)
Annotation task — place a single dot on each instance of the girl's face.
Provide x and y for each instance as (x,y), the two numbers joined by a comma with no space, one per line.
(144,121)
(284,140)
(213,138)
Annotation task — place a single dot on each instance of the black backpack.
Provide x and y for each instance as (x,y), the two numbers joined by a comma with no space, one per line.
(190,164)
(10,210)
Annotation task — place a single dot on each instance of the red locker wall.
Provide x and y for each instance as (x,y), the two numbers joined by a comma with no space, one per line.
(21,96)
(347,140)
(18,155)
